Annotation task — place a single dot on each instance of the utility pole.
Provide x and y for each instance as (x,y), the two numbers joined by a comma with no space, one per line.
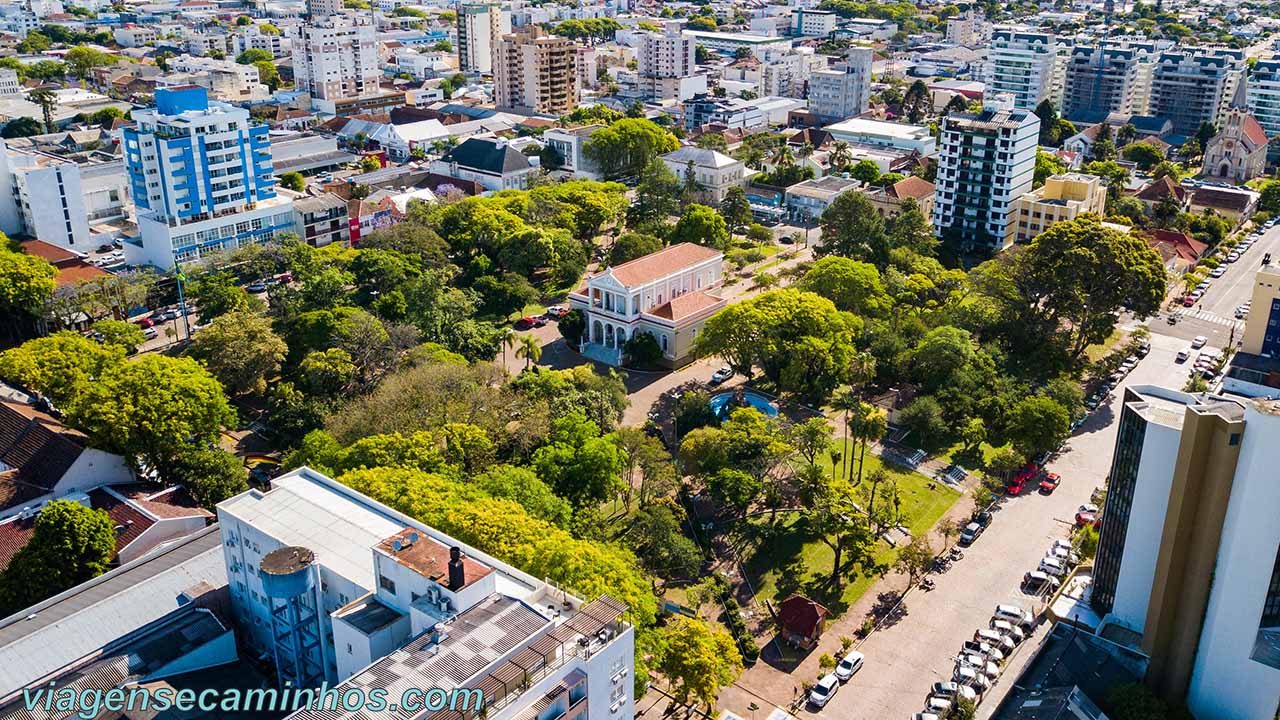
(182,302)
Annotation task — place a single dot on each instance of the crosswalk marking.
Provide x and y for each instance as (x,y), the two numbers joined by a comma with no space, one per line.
(1213,318)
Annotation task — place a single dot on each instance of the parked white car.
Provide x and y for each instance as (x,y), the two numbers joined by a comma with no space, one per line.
(849,665)
(821,693)
(1007,628)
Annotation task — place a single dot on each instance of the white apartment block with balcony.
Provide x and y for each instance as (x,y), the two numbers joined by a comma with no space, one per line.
(41,196)
(666,66)
(813,23)
(389,602)
(843,92)
(1021,63)
(10,86)
(254,38)
(986,162)
(568,144)
(1109,77)
(1263,92)
(132,36)
(200,175)
(480,25)
(668,294)
(1193,85)
(535,73)
(337,59)
(969,29)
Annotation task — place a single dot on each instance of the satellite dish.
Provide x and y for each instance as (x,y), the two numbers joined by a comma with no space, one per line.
(395,545)
(413,537)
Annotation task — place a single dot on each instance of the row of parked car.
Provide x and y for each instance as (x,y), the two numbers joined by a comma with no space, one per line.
(1233,255)
(825,689)
(980,660)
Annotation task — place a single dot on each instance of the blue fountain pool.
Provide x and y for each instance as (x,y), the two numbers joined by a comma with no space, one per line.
(722,403)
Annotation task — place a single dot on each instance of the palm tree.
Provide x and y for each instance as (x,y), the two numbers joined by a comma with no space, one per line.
(846,400)
(47,101)
(782,155)
(1127,133)
(507,339)
(529,349)
(840,155)
(806,150)
(869,425)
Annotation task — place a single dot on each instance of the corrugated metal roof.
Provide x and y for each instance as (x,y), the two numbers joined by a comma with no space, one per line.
(92,615)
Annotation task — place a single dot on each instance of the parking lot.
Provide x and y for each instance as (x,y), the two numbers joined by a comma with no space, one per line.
(904,659)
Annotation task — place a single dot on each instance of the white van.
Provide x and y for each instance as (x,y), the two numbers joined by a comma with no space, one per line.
(1015,615)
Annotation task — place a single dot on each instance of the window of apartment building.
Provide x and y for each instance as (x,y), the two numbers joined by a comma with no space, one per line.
(387,584)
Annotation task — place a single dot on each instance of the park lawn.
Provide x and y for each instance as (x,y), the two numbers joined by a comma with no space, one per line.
(1097,352)
(791,559)
(951,454)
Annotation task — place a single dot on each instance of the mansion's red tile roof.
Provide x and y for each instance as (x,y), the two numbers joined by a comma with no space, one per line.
(912,187)
(665,262)
(683,306)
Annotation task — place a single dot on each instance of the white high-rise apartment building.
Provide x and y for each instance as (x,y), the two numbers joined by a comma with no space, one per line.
(334,586)
(835,95)
(1021,63)
(1193,85)
(41,196)
(970,29)
(337,58)
(1108,77)
(321,10)
(664,59)
(1263,92)
(480,26)
(201,178)
(985,163)
(10,86)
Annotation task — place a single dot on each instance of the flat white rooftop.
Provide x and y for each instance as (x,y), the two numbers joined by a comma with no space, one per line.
(880,128)
(342,527)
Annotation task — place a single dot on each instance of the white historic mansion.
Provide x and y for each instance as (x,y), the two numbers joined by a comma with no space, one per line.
(667,294)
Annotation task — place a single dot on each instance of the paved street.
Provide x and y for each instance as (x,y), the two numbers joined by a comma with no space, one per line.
(904,659)
(1214,315)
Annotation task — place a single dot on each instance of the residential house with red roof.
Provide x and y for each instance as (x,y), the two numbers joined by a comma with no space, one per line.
(668,294)
(888,199)
(1157,190)
(157,516)
(42,459)
(1179,251)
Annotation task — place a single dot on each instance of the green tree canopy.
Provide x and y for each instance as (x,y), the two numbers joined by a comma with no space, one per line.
(70,544)
(799,339)
(624,148)
(701,225)
(241,351)
(152,409)
(852,227)
(212,475)
(59,366)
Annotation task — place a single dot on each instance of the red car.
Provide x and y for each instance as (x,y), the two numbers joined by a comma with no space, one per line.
(145,323)
(527,322)
(1088,515)
(1050,483)
(1188,302)
(1019,481)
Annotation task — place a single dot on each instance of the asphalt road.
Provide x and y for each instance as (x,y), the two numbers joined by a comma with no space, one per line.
(1214,316)
(905,659)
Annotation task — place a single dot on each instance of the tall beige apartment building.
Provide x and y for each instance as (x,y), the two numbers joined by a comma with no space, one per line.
(535,73)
